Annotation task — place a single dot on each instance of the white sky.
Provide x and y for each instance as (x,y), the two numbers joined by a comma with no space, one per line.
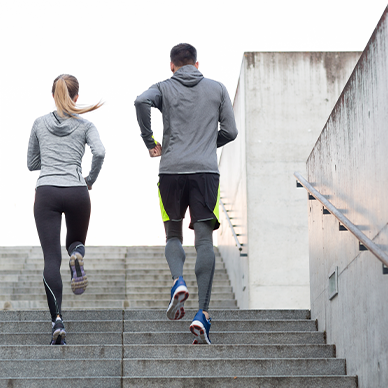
(117,49)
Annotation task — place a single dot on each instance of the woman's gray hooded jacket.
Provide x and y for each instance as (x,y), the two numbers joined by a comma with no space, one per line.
(56,148)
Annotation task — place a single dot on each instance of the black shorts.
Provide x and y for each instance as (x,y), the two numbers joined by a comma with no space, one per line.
(199,192)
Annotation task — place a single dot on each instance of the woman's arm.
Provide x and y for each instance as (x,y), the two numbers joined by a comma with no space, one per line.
(98,151)
(33,153)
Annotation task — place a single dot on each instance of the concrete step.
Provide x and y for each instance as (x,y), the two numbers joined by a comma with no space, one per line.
(15,264)
(72,338)
(159,315)
(222,326)
(66,297)
(241,382)
(38,284)
(163,265)
(107,264)
(151,276)
(237,367)
(100,326)
(154,315)
(61,382)
(183,382)
(9,277)
(13,256)
(214,303)
(65,271)
(39,288)
(133,286)
(155,326)
(24,352)
(166,351)
(115,255)
(67,304)
(131,343)
(193,289)
(117,304)
(71,315)
(223,338)
(166,296)
(64,368)
(228,351)
(66,277)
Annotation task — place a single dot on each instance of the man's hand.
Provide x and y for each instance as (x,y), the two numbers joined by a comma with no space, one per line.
(156,151)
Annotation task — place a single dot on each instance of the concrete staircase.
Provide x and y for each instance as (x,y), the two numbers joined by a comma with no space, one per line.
(119,277)
(120,336)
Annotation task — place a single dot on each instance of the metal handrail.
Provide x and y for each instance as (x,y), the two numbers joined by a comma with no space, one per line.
(239,246)
(378,252)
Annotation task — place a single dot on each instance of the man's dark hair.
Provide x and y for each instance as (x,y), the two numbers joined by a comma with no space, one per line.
(183,54)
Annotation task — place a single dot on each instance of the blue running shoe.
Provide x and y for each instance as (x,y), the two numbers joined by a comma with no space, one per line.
(59,333)
(200,328)
(179,293)
(79,280)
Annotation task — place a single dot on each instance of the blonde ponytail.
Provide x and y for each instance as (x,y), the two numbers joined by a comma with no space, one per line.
(65,89)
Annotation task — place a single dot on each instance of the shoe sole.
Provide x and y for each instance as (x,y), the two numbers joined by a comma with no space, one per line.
(59,337)
(176,308)
(199,331)
(79,280)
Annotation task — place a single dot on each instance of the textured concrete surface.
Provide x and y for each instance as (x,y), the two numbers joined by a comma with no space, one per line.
(227,338)
(119,277)
(237,367)
(113,347)
(22,352)
(61,382)
(221,326)
(71,339)
(282,102)
(223,314)
(49,368)
(348,165)
(229,351)
(238,382)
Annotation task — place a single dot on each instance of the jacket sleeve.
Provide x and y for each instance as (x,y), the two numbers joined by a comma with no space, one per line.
(228,130)
(151,98)
(98,152)
(33,153)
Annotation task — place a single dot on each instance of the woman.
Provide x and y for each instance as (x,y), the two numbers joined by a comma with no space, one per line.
(56,147)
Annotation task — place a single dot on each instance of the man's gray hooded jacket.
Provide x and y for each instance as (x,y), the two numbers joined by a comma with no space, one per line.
(192,106)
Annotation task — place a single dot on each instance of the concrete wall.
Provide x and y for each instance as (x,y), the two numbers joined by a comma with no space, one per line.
(235,201)
(349,166)
(282,103)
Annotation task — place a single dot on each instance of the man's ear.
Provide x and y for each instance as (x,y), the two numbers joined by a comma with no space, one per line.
(172,67)
(196,64)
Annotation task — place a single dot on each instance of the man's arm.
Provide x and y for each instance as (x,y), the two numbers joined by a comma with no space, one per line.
(151,98)
(228,130)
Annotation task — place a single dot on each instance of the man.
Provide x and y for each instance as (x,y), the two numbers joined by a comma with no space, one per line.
(191,106)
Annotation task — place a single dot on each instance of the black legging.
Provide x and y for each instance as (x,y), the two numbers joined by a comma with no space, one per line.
(50,203)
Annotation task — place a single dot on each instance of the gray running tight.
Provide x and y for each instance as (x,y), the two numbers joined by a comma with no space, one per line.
(205,264)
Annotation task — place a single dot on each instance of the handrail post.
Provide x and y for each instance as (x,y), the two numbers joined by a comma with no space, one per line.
(239,246)
(377,251)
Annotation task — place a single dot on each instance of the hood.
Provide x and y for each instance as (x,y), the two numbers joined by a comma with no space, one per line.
(188,75)
(60,126)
